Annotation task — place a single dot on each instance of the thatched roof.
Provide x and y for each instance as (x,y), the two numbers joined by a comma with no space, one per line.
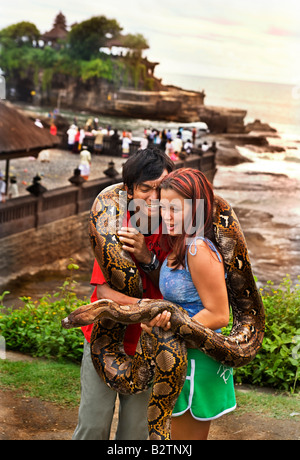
(117,41)
(120,41)
(19,136)
(58,32)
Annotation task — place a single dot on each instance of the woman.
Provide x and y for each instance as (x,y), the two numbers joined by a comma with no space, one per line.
(193,276)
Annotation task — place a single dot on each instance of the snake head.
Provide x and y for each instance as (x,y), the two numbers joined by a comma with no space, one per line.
(87,314)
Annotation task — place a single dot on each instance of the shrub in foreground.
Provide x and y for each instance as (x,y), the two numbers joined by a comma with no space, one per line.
(277,364)
(36,329)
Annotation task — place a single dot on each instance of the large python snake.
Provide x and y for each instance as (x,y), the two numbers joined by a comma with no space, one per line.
(160,360)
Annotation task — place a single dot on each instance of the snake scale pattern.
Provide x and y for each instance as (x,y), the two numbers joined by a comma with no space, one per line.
(160,360)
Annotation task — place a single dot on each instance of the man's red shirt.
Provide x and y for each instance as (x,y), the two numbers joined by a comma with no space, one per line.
(150,291)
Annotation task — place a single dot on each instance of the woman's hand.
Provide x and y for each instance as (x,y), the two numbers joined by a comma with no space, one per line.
(162,320)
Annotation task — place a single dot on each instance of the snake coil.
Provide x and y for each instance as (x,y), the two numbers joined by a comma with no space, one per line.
(160,360)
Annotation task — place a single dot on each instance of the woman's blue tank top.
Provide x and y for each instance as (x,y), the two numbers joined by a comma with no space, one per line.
(177,285)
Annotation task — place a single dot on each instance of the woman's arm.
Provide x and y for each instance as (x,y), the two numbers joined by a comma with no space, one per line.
(208,276)
(106,292)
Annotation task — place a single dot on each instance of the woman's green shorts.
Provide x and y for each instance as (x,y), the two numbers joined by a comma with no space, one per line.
(208,390)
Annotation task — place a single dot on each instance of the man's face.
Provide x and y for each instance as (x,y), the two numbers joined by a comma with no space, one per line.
(146,196)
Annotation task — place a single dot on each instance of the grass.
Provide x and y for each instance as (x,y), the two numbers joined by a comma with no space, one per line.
(59,382)
(277,405)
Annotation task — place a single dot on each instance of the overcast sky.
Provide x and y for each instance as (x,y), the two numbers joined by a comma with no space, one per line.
(242,39)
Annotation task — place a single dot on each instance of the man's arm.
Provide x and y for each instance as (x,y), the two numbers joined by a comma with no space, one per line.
(106,292)
(154,276)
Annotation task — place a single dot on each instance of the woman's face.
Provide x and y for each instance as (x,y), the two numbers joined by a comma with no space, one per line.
(175,212)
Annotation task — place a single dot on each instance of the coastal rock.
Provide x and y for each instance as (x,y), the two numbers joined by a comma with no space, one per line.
(222,119)
(253,217)
(259,173)
(272,251)
(267,148)
(247,139)
(259,126)
(99,96)
(228,155)
(169,103)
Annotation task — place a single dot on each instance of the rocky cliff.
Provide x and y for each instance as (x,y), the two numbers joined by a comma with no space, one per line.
(168,103)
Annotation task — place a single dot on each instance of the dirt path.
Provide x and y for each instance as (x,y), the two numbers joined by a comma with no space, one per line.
(25,418)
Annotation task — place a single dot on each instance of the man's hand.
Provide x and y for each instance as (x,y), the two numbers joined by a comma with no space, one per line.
(134,242)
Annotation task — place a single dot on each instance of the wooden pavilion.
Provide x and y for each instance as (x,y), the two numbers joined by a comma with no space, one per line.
(20,137)
(57,33)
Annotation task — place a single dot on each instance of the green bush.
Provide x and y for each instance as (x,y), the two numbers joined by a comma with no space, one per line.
(36,328)
(277,364)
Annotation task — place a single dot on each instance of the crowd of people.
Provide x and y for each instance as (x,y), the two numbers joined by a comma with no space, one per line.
(173,144)
(76,135)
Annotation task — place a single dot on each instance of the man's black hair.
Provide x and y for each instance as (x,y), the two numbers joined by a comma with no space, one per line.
(145,165)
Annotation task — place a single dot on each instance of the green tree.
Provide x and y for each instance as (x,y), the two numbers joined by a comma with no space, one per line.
(86,38)
(20,34)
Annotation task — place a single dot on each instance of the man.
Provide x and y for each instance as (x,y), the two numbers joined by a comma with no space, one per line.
(140,235)
(99,136)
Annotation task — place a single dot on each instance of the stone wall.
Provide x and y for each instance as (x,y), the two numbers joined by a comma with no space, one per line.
(48,248)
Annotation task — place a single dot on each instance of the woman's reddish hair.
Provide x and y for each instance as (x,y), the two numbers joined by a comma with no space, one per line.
(193,185)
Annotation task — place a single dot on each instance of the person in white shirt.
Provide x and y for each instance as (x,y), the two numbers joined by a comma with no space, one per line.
(169,147)
(144,143)
(13,190)
(204,146)
(177,144)
(71,136)
(2,188)
(126,146)
(188,146)
(85,163)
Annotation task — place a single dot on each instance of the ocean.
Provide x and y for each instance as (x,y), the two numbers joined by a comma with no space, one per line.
(274,103)
(267,189)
